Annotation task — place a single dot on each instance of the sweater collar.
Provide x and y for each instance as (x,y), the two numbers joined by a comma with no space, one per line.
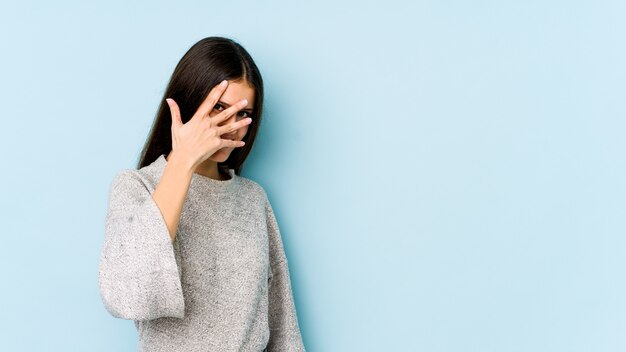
(201,182)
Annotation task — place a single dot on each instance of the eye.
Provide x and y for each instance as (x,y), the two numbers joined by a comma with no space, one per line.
(218,107)
(243,114)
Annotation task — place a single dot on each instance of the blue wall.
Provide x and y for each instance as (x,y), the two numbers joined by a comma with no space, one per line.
(447,175)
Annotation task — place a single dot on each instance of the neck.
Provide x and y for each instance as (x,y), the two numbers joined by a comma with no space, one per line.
(207,168)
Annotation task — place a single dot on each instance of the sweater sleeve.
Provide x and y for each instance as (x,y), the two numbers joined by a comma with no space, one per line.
(283,321)
(138,276)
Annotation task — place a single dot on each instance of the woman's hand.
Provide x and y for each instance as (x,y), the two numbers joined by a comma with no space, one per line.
(199,138)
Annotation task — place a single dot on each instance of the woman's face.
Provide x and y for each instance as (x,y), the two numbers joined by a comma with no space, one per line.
(236,91)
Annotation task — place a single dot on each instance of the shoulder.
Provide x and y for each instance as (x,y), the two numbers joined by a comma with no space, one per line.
(132,179)
(253,189)
(145,177)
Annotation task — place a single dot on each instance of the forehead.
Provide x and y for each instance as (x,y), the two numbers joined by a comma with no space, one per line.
(236,91)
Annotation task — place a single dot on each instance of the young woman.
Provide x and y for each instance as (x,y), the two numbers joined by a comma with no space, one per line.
(192,250)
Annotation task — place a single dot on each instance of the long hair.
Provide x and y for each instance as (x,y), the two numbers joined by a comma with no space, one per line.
(203,66)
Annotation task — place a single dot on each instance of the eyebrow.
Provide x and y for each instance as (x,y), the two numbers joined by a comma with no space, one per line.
(228,105)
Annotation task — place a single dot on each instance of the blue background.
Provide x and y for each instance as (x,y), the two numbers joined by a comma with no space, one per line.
(447,175)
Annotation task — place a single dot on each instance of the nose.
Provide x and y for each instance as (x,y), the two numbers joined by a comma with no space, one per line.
(228,121)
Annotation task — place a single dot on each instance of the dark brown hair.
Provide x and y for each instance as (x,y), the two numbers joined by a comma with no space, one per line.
(203,66)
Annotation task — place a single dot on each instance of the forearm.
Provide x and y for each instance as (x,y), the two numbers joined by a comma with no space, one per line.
(172,190)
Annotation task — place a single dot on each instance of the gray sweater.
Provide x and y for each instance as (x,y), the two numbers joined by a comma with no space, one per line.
(222,285)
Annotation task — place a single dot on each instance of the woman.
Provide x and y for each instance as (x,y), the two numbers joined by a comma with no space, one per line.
(192,250)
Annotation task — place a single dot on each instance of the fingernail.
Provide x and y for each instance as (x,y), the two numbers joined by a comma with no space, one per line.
(224,83)
(168,100)
(244,102)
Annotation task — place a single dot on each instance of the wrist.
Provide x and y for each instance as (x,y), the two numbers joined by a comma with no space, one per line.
(181,162)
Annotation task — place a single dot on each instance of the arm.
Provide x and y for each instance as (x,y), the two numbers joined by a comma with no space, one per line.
(283,322)
(172,190)
(138,275)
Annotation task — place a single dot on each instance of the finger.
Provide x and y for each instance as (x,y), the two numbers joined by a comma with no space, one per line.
(224,115)
(233,144)
(175,112)
(233,126)
(174,124)
(207,105)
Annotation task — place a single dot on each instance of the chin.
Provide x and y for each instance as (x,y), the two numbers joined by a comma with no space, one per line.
(220,155)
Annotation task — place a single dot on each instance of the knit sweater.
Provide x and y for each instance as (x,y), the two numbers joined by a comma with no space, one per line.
(222,285)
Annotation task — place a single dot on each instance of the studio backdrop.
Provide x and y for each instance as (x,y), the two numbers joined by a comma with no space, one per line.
(447,175)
